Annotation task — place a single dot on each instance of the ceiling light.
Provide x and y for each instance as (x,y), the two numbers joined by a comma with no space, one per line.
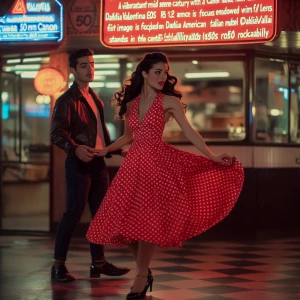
(106,72)
(103,56)
(28,74)
(13,61)
(112,85)
(107,66)
(26,67)
(33,59)
(96,84)
(96,56)
(207,75)
(99,77)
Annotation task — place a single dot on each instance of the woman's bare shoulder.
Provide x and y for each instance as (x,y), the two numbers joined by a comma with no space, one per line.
(171,101)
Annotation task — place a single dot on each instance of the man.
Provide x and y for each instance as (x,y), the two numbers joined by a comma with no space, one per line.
(78,128)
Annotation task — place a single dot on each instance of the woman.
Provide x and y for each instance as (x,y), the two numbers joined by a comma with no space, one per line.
(160,195)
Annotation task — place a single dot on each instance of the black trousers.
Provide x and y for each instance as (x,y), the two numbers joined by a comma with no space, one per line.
(86,182)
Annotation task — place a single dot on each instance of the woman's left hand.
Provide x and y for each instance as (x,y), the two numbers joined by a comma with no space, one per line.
(100,152)
(124,152)
(224,159)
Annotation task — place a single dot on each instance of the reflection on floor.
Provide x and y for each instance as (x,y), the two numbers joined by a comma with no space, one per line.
(215,270)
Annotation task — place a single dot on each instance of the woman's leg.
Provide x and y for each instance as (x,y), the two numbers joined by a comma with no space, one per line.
(133,248)
(144,256)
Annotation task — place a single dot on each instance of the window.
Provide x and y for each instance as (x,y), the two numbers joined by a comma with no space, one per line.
(271,105)
(295,103)
(214,94)
(31,131)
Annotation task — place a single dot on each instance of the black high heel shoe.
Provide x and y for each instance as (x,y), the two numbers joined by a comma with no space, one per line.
(150,276)
(141,295)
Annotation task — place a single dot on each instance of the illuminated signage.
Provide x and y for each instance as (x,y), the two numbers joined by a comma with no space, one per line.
(37,110)
(83,17)
(139,23)
(48,81)
(33,21)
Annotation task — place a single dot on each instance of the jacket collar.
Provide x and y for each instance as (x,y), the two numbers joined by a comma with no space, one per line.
(75,89)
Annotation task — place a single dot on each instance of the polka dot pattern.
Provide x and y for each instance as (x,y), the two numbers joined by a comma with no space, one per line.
(161,194)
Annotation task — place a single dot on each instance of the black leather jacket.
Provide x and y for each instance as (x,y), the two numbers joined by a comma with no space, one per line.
(74,122)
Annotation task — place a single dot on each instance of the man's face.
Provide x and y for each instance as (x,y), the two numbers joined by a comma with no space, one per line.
(84,71)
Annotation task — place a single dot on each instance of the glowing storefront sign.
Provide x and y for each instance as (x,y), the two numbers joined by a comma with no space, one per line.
(48,81)
(139,23)
(33,21)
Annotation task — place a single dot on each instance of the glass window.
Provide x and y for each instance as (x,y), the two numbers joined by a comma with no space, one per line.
(214,94)
(31,130)
(295,103)
(25,147)
(270,109)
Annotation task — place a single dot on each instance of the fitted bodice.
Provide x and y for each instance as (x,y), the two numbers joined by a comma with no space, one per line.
(151,128)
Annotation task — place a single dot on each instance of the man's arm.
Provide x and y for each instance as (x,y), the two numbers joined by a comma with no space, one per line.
(60,129)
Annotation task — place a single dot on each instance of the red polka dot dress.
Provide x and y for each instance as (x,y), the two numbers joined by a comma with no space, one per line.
(161,194)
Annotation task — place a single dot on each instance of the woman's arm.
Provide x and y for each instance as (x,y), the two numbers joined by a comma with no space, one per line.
(174,107)
(125,139)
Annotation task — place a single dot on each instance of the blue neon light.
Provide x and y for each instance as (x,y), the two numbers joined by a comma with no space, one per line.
(37,110)
(5,111)
(42,22)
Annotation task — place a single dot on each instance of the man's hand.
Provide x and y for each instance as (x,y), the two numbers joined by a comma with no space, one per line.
(84,153)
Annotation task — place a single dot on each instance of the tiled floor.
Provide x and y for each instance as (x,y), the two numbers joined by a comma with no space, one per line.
(208,270)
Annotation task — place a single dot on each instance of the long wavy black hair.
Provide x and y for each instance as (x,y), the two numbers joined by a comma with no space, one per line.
(132,86)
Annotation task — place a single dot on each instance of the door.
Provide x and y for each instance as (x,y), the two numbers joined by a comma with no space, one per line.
(25,157)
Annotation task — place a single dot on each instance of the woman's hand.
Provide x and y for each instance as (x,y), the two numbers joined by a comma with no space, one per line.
(100,152)
(124,152)
(224,159)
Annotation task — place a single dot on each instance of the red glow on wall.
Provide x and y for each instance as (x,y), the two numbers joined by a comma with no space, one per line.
(159,23)
(48,81)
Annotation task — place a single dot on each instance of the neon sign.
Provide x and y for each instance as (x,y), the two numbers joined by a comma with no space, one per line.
(48,81)
(33,21)
(139,23)
(19,8)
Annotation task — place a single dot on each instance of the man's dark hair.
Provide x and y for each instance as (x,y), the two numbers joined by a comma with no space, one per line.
(77,54)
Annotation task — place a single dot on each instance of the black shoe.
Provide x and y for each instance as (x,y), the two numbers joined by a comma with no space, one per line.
(61,274)
(107,269)
(141,295)
(150,277)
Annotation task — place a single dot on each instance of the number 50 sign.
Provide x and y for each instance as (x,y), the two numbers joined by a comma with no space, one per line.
(82,16)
